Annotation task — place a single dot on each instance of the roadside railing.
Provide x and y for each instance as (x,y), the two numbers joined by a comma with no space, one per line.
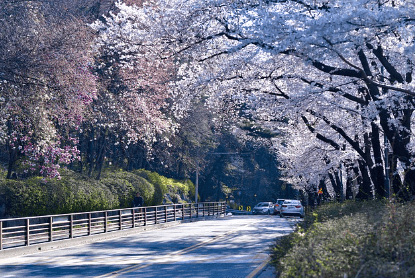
(17,232)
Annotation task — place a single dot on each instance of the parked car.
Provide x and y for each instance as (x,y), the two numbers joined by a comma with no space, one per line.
(263,208)
(277,205)
(292,207)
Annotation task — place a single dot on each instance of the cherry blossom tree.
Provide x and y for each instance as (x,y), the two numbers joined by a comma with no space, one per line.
(45,84)
(134,104)
(341,69)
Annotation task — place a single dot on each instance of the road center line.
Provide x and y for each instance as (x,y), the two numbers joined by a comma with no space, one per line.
(135,267)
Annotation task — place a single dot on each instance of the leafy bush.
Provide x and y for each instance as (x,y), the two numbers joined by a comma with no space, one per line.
(126,184)
(73,193)
(163,185)
(354,239)
(25,198)
(77,193)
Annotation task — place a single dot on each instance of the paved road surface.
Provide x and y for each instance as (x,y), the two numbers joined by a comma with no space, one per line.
(231,246)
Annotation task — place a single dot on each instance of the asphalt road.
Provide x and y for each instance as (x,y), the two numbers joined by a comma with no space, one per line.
(231,246)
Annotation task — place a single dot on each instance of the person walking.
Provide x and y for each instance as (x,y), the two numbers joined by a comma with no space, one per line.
(138,200)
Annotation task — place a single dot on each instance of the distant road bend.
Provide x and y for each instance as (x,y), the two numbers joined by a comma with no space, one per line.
(231,246)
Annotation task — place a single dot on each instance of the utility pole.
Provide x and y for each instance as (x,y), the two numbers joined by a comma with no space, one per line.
(197,184)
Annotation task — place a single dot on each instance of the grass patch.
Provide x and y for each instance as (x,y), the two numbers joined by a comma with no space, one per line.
(352,239)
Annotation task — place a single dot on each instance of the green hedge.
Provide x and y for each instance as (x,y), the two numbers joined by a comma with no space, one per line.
(73,193)
(180,190)
(76,193)
(126,184)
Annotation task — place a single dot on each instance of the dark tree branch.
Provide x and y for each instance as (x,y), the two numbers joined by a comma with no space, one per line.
(340,131)
(319,136)
(388,66)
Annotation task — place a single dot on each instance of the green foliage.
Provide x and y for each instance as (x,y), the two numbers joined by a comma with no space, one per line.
(190,187)
(73,193)
(126,184)
(76,193)
(25,198)
(164,185)
(354,239)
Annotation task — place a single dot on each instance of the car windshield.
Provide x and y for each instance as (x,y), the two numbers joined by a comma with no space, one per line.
(262,205)
(280,201)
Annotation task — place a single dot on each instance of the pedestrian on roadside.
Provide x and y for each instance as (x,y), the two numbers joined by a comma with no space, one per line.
(138,200)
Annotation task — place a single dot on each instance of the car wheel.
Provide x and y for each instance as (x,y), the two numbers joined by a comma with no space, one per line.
(269,212)
(282,216)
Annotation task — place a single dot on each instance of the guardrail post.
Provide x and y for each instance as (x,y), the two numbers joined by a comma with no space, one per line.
(174,212)
(50,229)
(165,214)
(1,235)
(155,215)
(190,211)
(145,216)
(182,211)
(120,216)
(89,224)
(133,220)
(71,226)
(105,221)
(27,231)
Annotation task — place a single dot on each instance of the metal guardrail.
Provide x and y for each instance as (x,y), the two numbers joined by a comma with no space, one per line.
(18,232)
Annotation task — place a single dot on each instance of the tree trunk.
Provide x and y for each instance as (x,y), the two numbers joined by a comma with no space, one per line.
(101,155)
(90,153)
(322,185)
(12,161)
(336,186)
(377,170)
(365,189)
(399,139)
(350,179)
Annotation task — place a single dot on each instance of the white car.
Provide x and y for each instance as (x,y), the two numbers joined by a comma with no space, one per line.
(277,205)
(292,207)
(263,208)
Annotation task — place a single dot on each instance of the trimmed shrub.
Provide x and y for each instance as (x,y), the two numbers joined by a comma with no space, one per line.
(73,193)
(78,193)
(126,184)
(25,198)
(354,239)
(179,191)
